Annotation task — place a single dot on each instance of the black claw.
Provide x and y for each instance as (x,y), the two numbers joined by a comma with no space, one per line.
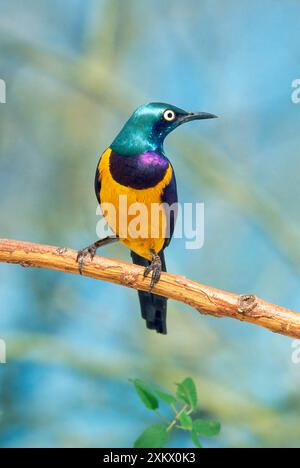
(147,271)
(82,254)
(154,267)
(91,250)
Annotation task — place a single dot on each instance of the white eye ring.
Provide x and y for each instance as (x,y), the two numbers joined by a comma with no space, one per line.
(169,115)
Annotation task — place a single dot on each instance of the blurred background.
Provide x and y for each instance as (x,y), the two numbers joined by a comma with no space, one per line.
(74,71)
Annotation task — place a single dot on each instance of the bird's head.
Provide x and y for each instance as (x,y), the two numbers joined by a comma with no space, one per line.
(149,125)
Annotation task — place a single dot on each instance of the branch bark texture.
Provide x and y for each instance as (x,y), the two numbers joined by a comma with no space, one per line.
(206,300)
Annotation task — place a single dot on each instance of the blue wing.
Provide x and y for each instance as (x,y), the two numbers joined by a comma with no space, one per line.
(169,196)
(98,182)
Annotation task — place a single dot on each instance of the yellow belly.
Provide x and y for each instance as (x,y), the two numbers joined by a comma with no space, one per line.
(136,218)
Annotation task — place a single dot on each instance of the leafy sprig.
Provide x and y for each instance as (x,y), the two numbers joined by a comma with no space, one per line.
(183,404)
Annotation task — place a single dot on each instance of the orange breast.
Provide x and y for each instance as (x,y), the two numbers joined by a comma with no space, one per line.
(134,215)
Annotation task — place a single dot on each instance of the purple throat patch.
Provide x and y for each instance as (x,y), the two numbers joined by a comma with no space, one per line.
(140,171)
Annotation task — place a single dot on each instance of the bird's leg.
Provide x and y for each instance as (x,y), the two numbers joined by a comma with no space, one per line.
(92,249)
(155,267)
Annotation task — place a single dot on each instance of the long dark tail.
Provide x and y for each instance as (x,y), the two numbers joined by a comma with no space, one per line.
(153,307)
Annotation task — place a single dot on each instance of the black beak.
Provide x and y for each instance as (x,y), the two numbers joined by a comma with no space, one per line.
(197,116)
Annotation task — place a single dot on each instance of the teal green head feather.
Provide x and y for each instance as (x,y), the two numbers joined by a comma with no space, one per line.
(149,125)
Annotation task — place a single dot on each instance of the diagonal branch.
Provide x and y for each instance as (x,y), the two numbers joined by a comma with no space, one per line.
(206,300)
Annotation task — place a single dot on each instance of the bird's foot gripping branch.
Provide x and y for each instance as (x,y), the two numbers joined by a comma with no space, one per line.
(204,299)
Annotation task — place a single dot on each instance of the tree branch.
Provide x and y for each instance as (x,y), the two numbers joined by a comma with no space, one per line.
(206,300)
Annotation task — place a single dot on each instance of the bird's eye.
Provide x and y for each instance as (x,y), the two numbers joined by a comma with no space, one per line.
(169,115)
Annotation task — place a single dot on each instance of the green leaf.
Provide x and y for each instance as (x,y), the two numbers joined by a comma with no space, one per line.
(155,436)
(166,397)
(149,400)
(206,428)
(195,439)
(186,421)
(186,391)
